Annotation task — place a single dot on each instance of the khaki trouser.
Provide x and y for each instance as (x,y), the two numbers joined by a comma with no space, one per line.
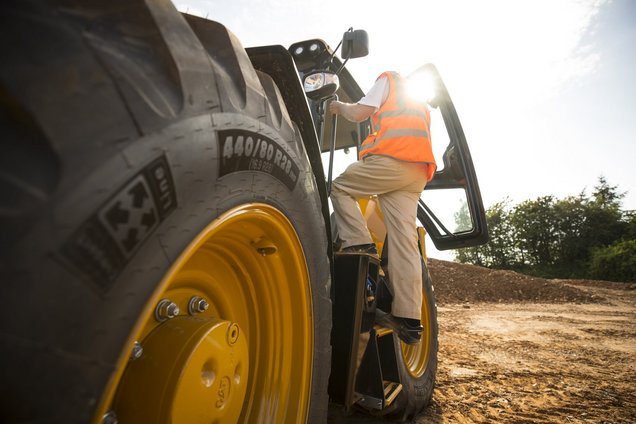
(398,186)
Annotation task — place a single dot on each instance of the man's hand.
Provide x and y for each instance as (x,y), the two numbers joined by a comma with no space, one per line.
(334,107)
(353,112)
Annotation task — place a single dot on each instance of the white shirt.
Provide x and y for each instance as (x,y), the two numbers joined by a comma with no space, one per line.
(377,95)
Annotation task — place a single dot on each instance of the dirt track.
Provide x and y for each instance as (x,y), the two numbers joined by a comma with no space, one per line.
(516,349)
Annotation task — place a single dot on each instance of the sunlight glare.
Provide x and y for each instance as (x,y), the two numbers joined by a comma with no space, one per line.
(420,87)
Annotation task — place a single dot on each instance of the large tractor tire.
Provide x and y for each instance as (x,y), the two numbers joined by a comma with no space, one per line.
(164,255)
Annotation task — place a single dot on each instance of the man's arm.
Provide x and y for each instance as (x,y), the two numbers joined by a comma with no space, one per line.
(353,112)
(358,112)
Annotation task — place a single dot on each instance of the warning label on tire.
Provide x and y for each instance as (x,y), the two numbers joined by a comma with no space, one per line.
(103,245)
(249,151)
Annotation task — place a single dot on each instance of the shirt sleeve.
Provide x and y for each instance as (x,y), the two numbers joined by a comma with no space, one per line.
(377,94)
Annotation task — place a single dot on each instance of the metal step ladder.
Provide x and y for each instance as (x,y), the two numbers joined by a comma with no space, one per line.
(364,365)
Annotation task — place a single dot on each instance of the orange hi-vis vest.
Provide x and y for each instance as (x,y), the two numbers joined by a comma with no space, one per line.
(401,128)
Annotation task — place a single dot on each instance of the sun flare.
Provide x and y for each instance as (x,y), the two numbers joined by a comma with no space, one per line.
(421,87)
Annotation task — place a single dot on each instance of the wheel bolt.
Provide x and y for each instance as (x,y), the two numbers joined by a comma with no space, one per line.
(110,418)
(197,305)
(136,352)
(166,309)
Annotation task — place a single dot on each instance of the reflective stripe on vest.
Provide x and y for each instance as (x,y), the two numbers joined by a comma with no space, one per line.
(410,112)
(400,132)
(401,128)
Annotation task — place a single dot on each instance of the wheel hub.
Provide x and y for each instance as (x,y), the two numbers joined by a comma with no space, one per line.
(192,367)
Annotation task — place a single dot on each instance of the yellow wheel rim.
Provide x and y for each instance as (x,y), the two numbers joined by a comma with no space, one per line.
(416,356)
(248,356)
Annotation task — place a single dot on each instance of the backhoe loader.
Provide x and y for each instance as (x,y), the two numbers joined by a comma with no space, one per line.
(167,250)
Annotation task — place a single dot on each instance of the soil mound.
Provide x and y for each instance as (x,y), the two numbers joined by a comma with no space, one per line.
(463,283)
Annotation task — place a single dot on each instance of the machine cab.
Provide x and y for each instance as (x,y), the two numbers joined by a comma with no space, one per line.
(450,208)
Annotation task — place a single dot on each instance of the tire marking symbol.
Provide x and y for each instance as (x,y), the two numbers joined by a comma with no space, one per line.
(102,246)
(131,215)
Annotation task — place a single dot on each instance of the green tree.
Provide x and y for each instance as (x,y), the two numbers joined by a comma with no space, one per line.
(497,252)
(535,231)
(572,255)
(630,218)
(616,262)
(604,220)
(578,236)
(607,196)
(463,222)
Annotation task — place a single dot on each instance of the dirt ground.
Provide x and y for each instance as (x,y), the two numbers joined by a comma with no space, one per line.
(517,349)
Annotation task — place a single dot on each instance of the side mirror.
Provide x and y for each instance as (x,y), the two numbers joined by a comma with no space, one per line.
(320,84)
(355,44)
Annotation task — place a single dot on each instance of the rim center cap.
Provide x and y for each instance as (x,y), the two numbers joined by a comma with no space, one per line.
(192,368)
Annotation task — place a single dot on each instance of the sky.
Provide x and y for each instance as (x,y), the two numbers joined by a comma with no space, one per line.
(545,89)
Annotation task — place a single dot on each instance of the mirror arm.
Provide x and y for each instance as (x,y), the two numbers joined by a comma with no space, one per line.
(330,60)
(342,66)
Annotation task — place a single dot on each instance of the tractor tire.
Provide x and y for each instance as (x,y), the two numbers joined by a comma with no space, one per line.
(417,365)
(164,256)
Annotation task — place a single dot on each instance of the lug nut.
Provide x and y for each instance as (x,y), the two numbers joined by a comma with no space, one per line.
(166,309)
(197,305)
(110,418)
(136,352)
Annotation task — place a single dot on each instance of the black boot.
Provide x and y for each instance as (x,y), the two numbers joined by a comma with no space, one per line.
(362,248)
(408,330)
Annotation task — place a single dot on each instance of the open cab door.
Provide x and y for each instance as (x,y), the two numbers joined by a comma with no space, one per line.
(450,209)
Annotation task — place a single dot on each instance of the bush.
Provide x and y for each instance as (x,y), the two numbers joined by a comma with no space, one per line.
(616,262)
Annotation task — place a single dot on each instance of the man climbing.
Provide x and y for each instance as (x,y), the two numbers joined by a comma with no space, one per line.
(396,162)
